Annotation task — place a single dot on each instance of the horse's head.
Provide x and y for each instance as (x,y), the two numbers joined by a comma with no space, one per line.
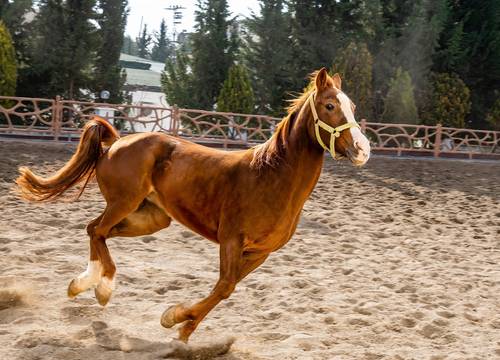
(335,128)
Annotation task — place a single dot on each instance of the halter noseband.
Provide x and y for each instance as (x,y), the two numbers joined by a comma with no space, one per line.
(334,132)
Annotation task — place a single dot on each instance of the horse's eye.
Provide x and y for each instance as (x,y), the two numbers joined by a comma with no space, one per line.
(330,107)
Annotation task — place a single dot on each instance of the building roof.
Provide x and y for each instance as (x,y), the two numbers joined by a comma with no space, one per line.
(146,78)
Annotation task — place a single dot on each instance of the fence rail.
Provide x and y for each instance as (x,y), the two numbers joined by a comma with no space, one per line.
(61,120)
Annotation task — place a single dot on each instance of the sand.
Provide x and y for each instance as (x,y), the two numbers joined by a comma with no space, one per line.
(397,260)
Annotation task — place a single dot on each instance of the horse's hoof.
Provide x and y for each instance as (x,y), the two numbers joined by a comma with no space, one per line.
(73,289)
(103,291)
(168,317)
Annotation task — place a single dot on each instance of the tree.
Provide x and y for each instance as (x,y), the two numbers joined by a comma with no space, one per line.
(470,47)
(8,67)
(236,94)
(354,63)
(143,43)
(129,46)
(108,73)
(268,56)
(213,51)
(493,117)
(80,41)
(399,103)
(13,15)
(177,80)
(449,101)
(162,48)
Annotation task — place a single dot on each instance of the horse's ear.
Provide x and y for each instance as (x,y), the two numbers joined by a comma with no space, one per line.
(321,79)
(337,81)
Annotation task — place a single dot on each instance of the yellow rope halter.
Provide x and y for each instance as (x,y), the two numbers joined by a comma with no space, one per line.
(334,132)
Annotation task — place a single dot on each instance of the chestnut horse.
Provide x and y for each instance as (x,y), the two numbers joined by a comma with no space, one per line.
(249,202)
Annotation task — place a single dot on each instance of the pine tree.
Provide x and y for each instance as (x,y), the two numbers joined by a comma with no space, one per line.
(12,13)
(268,56)
(143,43)
(354,64)
(80,42)
(177,80)
(449,101)
(493,117)
(399,102)
(162,48)
(108,73)
(8,67)
(129,46)
(236,95)
(46,76)
(212,51)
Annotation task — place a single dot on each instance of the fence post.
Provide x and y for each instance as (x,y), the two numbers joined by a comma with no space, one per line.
(437,142)
(363,125)
(56,117)
(176,120)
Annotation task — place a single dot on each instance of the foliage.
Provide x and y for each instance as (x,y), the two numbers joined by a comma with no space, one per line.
(399,103)
(268,56)
(108,73)
(354,63)
(236,95)
(8,67)
(213,51)
(129,46)
(162,48)
(143,43)
(493,117)
(177,80)
(449,101)
(12,13)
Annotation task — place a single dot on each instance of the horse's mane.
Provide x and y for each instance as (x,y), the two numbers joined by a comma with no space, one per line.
(271,152)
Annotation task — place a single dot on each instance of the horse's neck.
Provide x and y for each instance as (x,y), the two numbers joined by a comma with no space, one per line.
(302,156)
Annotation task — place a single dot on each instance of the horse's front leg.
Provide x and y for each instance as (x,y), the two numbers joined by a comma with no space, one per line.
(230,270)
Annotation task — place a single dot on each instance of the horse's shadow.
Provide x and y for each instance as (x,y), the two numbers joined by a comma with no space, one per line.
(111,344)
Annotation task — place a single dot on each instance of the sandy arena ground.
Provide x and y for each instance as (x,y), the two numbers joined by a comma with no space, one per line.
(397,260)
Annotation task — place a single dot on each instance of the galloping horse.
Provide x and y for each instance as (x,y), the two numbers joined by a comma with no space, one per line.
(248,201)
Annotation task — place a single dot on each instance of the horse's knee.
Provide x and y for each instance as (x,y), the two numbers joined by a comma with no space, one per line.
(226,289)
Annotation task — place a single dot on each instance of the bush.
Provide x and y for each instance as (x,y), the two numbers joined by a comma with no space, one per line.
(8,67)
(449,101)
(399,103)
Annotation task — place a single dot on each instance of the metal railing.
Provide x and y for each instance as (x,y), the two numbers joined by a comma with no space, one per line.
(60,120)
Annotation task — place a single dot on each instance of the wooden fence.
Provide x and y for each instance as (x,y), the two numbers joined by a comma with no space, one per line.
(60,120)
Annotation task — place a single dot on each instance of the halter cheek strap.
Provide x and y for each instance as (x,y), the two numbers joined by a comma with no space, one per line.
(334,132)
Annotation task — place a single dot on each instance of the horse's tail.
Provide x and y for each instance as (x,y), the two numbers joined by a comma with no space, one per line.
(81,165)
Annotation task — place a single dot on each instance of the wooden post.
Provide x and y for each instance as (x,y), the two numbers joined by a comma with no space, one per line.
(363,125)
(437,142)
(175,120)
(56,117)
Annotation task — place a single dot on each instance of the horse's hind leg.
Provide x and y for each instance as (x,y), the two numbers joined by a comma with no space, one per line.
(146,219)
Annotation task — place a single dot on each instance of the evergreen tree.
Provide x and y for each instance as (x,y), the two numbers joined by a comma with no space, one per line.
(449,101)
(108,73)
(493,117)
(13,15)
(212,50)
(354,64)
(143,43)
(236,95)
(129,46)
(8,68)
(45,77)
(162,48)
(469,46)
(268,56)
(399,102)
(177,80)
(80,43)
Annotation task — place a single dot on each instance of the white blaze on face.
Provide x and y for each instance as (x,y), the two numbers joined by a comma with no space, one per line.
(359,140)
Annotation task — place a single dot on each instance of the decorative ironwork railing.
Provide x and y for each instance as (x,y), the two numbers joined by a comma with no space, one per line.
(60,119)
